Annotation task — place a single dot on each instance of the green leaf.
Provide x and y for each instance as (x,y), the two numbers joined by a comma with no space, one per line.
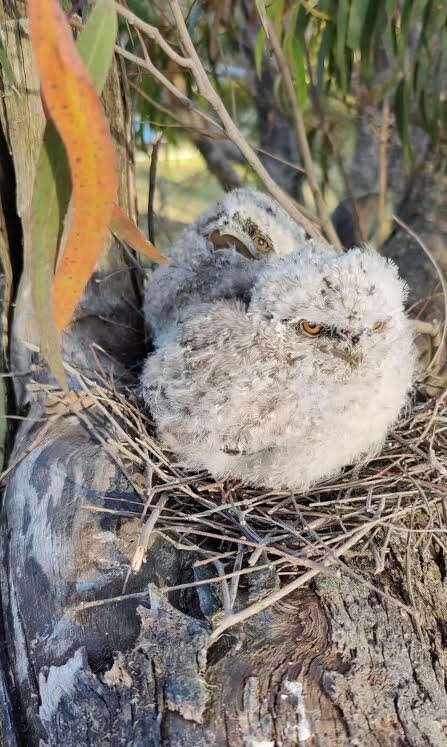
(97,40)
(259,48)
(357,17)
(323,52)
(402,39)
(299,71)
(260,6)
(420,72)
(402,114)
(293,47)
(340,41)
(372,17)
(52,185)
(275,12)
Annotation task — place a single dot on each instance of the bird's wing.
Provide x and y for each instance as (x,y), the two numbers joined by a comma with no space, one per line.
(206,276)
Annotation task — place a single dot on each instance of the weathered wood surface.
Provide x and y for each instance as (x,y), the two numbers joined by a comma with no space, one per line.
(333,665)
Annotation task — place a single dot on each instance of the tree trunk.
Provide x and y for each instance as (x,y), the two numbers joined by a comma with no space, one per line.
(333,664)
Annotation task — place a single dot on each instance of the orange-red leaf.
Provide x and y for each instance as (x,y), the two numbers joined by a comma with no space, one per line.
(78,115)
(126,230)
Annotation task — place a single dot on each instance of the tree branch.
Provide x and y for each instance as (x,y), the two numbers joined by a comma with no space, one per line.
(383,168)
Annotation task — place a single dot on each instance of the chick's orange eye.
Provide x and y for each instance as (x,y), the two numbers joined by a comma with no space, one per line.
(378,326)
(309,328)
(261,243)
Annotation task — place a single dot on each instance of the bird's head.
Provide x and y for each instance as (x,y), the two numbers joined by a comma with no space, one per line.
(252,222)
(348,307)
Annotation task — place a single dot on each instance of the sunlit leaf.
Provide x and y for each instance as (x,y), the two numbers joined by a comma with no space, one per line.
(315,11)
(260,6)
(126,230)
(275,12)
(295,55)
(299,71)
(51,194)
(97,40)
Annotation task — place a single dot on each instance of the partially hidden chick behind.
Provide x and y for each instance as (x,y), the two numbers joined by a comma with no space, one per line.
(287,388)
(213,258)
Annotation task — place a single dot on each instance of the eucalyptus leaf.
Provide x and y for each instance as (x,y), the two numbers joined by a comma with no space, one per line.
(259,49)
(52,186)
(357,17)
(340,42)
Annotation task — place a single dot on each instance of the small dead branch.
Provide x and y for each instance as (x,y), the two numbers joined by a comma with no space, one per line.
(152,180)
(145,534)
(383,169)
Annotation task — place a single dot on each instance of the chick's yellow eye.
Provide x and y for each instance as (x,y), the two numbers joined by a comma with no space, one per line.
(309,328)
(378,326)
(262,243)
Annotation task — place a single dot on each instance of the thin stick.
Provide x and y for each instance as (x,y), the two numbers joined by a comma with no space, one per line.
(153,33)
(145,534)
(383,169)
(262,604)
(151,195)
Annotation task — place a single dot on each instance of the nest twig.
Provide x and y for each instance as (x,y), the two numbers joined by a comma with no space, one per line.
(298,535)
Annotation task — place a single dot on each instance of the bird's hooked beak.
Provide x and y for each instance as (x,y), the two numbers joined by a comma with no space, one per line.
(226,240)
(349,353)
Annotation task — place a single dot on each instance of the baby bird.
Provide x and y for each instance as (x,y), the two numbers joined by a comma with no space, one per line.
(212,259)
(284,389)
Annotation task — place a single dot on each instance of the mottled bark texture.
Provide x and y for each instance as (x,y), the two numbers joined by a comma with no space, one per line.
(332,665)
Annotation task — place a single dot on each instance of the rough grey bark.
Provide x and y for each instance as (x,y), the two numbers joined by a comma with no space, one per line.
(332,665)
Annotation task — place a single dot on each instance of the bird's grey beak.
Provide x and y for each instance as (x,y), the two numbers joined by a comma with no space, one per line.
(225,240)
(354,359)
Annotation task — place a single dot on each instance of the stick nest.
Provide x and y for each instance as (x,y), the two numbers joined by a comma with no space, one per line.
(233,531)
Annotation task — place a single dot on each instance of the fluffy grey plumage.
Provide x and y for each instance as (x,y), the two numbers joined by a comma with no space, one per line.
(248,393)
(247,225)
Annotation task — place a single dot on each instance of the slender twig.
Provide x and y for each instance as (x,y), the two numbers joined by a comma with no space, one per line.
(153,33)
(165,82)
(146,532)
(218,135)
(152,179)
(302,139)
(383,169)
(262,604)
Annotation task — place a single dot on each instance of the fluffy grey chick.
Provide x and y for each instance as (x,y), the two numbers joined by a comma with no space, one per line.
(306,380)
(247,225)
